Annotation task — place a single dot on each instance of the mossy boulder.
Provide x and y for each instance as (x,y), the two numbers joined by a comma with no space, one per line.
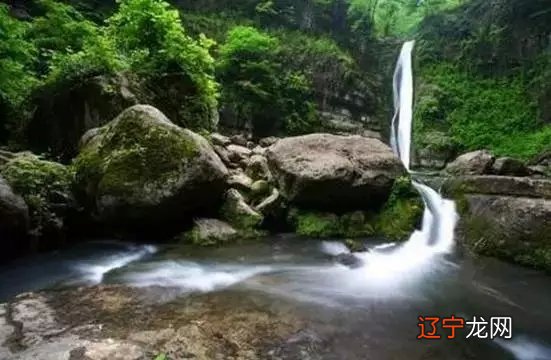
(14,221)
(46,188)
(236,211)
(208,232)
(334,173)
(141,170)
(325,225)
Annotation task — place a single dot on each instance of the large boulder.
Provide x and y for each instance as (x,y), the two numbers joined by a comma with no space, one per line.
(473,163)
(334,172)
(208,232)
(509,227)
(64,112)
(142,170)
(510,166)
(14,221)
(505,216)
(46,188)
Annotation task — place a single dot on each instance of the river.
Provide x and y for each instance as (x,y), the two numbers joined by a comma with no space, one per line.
(350,314)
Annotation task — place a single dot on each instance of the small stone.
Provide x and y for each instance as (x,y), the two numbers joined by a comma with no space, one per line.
(268,141)
(239,139)
(236,153)
(240,181)
(219,139)
(260,188)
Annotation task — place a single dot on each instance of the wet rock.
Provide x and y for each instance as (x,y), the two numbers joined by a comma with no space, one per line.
(46,188)
(238,213)
(142,171)
(334,172)
(513,228)
(350,260)
(14,221)
(219,139)
(509,166)
(210,232)
(116,322)
(473,163)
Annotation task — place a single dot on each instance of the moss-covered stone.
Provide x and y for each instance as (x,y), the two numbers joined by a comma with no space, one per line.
(324,225)
(141,167)
(209,232)
(46,188)
(236,211)
(398,219)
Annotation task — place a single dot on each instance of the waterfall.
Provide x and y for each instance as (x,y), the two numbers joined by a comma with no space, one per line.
(440,216)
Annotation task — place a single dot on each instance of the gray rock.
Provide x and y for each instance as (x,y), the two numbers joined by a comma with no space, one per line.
(473,163)
(259,150)
(223,154)
(510,227)
(334,172)
(142,170)
(219,139)
(211,232)
(510,166)
(258,169)
(268,141)
(14,221)
(237,153)
(271,204)
(238,213)
(498,185)
(239,139)
(240,181)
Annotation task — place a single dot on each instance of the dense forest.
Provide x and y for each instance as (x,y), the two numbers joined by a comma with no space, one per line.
(278,67)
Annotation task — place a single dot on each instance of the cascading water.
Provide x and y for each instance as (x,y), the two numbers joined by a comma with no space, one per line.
(440,217)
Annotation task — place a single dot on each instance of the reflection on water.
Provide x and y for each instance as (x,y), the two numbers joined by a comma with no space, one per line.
(370,308)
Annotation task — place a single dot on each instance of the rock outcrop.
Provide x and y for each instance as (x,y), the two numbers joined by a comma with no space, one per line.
(46,188)
(504,216)
(473,163)
(116,322)
(334,172)
(14,221)
(142,170)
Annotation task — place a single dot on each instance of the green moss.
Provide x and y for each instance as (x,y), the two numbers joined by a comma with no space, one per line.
(133,153)
(323,225)
(483,237)
(318,225)
(235,211)
(40,183)
(398,220)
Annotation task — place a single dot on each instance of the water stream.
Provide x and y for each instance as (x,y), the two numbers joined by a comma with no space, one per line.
(364,312)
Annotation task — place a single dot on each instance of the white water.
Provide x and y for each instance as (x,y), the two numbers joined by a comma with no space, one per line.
(440,217)
(94,271)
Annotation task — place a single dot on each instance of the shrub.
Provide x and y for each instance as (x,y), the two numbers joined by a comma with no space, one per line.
(150,34)
(477,112)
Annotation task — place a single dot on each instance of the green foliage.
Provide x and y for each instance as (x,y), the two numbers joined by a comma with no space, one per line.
(17,56)
(401,213)
(477,112)
(324,225)
(256,86)
(60,30)
(42,184)
(393,17)
(150,35)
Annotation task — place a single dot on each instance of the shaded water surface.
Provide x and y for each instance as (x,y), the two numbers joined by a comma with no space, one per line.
(367,312)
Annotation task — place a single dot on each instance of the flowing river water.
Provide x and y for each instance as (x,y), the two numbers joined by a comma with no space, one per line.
(368,311)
